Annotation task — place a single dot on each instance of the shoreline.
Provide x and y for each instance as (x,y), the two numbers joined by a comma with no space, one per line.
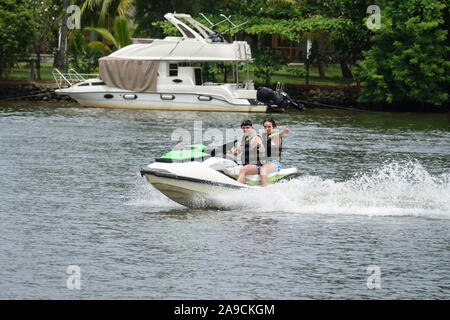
(313,96)
(23,90)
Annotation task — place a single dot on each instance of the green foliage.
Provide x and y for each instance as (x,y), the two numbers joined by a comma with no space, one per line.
(84,55)
(121,37)
(17,29)
(209,71)
(267,63)
(298,71)
(102,13)
(408,60)
(122,32)
(45,14)
(350,40)
(105,34)
(296,29)
(149,12)
(167,28)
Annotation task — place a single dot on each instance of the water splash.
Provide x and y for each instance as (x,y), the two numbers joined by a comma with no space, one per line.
(397,188)
(145,195)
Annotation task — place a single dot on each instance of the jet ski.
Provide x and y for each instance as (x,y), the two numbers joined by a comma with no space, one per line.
(192,177)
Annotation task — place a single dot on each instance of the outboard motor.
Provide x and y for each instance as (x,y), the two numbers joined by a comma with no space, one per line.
(277,100)
(217,37)
(267,96)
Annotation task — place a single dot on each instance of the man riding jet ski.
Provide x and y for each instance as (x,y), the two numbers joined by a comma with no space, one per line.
(194,176)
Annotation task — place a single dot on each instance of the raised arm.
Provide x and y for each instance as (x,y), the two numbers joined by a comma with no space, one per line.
(281,133)
(284,131)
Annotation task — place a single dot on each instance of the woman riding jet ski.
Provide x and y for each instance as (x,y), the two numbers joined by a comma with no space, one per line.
(193,177)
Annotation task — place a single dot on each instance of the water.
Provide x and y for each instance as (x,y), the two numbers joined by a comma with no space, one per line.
(375,191)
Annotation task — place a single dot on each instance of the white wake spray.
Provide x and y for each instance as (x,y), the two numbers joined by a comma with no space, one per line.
(145,195)
(394,189)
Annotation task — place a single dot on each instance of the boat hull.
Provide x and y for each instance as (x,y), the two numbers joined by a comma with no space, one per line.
(160,101)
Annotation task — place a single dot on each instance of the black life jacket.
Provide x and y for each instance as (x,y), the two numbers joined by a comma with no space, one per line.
(250,155)
(273,152)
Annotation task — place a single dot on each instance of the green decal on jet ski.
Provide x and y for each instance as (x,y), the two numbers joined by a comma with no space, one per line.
(254,180)
(195,152)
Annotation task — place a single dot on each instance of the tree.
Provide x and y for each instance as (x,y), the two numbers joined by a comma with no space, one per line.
(408,60)
(350,40)
(17,29)
(44,13)
(149,12)
(102,13)
(267,63)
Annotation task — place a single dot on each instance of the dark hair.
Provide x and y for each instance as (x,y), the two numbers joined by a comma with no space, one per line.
(246,123)
(271,121)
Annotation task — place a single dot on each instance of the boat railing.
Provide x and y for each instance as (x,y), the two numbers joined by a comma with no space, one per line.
(246,84)
(68,79)
(226,19)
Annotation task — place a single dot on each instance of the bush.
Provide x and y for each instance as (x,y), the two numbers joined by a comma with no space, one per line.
(267,63)
(408,60)
(84,55)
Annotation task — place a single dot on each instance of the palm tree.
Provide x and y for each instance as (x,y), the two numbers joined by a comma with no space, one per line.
(121,35)
(106,10)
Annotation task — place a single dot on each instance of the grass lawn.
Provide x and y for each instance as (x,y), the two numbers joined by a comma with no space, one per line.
(22,73)
(332,72)
(286,75)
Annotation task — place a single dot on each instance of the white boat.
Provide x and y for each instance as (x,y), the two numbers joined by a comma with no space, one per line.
(164,74)
(196,176)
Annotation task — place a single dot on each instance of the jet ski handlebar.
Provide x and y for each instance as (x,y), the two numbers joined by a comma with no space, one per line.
(221,151)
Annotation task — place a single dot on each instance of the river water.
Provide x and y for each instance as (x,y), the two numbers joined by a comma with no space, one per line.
(369,217)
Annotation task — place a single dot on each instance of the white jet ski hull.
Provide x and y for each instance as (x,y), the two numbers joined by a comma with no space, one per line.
(195,184)
(191,184)
(187,193)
